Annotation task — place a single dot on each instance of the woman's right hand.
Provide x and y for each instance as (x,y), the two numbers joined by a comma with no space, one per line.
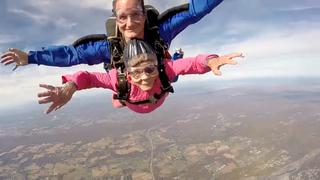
(14,56)
(57,96)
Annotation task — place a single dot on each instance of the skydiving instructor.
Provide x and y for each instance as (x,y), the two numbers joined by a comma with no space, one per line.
(130,19)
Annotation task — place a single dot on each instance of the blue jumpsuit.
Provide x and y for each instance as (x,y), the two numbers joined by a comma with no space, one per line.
(98,51)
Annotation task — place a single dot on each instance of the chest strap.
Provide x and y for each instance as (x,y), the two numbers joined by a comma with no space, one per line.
(152,99)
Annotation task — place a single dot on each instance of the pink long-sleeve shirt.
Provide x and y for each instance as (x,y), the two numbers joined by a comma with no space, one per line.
(108,80)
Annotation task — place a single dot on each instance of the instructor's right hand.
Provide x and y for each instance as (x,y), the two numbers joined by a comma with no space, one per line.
(14,56)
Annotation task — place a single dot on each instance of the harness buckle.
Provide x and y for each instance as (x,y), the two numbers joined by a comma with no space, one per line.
(153,100)
(123,88)
(168,89)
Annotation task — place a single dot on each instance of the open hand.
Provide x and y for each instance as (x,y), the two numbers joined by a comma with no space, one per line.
(57,96)
(14,56)
(216,63)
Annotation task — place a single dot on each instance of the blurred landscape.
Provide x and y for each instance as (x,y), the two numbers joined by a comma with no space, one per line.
(256,129)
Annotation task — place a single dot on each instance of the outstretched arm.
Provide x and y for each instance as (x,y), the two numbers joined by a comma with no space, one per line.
(20,58)
(56,95)
(217,62)
(200,64)
(63,56)
(60,95)
(172,26)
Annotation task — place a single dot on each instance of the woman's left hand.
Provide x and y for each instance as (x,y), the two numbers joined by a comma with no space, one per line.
(216,63)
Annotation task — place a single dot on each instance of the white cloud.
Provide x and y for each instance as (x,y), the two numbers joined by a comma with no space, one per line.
(300,8)
(50,6)
(61,22)
(98,4)
(290,50)
(163,5)
(22,85)
(45,19)
(280,42)
(38,18)
(66,40)
(5,39)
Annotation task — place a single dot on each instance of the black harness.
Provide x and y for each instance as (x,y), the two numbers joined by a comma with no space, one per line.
(152,99)
(117,45)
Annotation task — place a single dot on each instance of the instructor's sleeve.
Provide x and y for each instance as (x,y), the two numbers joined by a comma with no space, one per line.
(63,56)
(172,26)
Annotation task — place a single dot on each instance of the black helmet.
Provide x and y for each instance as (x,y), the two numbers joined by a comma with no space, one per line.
(137,51)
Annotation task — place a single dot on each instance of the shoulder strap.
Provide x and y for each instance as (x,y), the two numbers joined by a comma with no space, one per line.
(116,44)
(152,28)
(173,11)
(89,38)
(116,60)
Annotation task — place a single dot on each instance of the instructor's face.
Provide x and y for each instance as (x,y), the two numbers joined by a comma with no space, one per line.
(130,18)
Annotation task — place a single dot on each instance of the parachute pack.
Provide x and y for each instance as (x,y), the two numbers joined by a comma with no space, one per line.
(114,37)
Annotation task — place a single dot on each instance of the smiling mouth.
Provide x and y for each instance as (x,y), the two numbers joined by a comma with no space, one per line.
(131,29)
(147,83)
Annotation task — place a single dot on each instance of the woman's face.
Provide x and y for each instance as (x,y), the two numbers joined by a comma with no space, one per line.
(144,75)
(130,18)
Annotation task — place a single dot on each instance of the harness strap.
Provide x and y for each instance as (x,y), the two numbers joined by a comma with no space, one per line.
(116,45)
(123,87)
(160,52)
(152,99)
(160,48)
(173,11)
(89,38)
(116,60)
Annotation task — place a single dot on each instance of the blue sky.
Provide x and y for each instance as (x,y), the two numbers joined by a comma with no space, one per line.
(278,38)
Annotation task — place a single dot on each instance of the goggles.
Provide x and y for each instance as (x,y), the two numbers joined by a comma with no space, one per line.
(148,70)
(135,15)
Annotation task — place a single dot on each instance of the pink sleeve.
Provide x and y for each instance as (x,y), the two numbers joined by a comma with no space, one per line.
(190,65)
(86,80)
